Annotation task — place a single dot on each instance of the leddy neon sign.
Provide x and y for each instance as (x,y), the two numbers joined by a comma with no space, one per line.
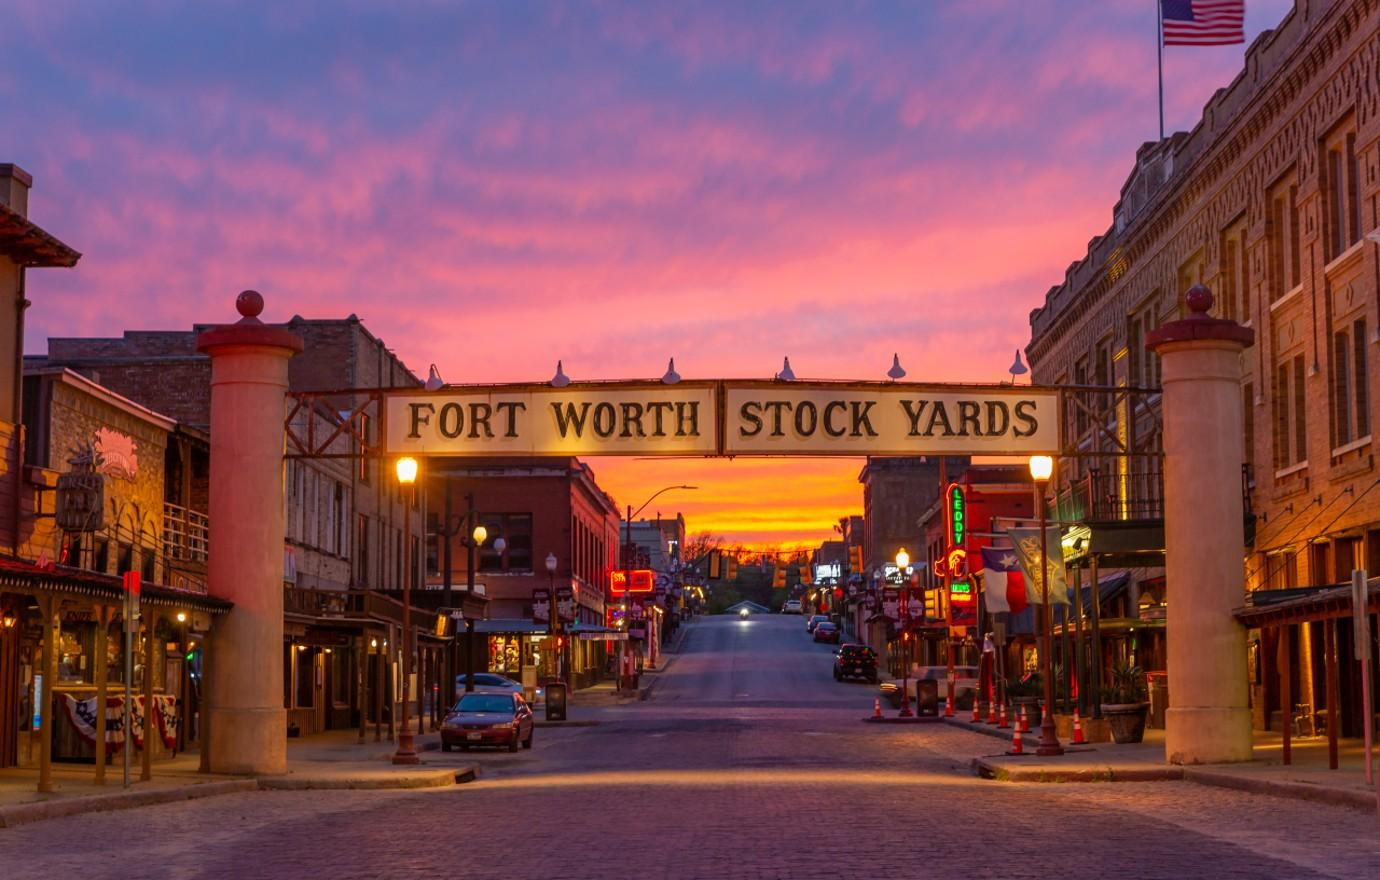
(957,556)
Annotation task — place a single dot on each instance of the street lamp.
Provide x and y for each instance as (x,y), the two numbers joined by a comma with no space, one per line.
(407,477)
(902,563)
(1041,468)
(627,571)
(553,620)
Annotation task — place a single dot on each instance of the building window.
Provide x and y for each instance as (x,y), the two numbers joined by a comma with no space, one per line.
(1190,273)
(361,548)
(364,429)
(1290,415)
(306,677)
(1281,570)
(516,531)
(1234,289)
(1248,410)
(1350,388)
(1282,231)
(1319,567)
(1343,192)
(1344,557)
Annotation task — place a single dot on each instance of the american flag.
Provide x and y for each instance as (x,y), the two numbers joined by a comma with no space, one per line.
(1203,22)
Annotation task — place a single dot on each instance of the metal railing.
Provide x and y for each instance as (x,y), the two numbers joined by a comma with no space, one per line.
(185,534)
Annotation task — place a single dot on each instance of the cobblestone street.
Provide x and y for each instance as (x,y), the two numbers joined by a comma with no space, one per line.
(748,762)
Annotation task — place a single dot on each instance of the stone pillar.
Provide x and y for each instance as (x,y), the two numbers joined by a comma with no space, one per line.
(1209,717)
(249,380)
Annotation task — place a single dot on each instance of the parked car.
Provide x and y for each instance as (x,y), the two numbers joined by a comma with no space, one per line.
(855,661)
(488,720)
(492,683)
(814,621)
(825,631)
(792,606)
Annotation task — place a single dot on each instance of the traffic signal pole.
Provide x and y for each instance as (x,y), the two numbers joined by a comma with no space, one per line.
(948,606)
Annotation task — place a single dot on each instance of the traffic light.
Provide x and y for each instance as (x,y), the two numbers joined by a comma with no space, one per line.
(715,565)
(855,557)
(731,566)
(778,580)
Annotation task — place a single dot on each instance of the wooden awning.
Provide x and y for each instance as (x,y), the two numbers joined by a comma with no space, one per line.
(29,245)
(23,576)
(1303,604)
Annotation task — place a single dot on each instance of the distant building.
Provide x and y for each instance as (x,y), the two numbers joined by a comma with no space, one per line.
(661,540)
(895,492)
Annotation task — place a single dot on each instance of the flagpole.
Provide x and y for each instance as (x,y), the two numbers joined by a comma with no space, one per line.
(1159,56)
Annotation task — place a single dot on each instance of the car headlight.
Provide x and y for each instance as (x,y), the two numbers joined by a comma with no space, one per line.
(503,725)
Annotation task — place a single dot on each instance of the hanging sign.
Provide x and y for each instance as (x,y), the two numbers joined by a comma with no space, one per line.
(565,604)
(541,605)
(731,417)
(639,418)
(891,603)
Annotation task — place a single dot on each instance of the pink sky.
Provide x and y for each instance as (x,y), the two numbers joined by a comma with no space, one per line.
(493,186)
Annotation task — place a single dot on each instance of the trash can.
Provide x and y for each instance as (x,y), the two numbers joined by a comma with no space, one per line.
(927,698)
(555,701)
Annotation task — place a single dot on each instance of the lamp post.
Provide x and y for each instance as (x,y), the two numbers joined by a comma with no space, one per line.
(1041,467)
(407,476)
(478,534)
(553,619)
(627,571)
(902,563)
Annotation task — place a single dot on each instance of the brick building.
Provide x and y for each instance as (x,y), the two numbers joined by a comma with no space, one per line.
(344,553)
(1268,200)
(539,507)
(895,492)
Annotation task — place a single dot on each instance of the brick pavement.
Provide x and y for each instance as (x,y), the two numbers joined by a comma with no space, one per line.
(761,789)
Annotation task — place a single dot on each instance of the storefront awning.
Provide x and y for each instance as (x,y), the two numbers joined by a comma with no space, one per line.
(1303,604)
(17,574)
(1116,544)
(510,626)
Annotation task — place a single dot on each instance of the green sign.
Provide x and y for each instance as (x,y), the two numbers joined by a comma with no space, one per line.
(958,516)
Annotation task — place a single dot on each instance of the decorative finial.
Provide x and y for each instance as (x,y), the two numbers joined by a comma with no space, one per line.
(896,371)
(560,380)
(1199,300)
(786,374)
(670,377)
(250,304)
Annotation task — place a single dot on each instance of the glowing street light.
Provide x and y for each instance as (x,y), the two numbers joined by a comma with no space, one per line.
(407,477)
(1041,468)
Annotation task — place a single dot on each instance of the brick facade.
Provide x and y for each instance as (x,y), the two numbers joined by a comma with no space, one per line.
(1267,201)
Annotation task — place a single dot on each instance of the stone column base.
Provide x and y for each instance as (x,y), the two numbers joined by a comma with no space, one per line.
(248,741)
(1207,735)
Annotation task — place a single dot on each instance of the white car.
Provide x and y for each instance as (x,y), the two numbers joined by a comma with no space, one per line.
(792,606)
(492,683)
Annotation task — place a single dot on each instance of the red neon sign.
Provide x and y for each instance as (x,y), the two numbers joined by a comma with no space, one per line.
(643,581)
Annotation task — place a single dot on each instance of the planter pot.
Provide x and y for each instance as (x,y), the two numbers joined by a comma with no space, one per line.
(1126,720)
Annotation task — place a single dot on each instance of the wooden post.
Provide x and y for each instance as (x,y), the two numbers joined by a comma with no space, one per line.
(1096,672)
(99,670)
(1330,662)
(1285,664)
(48,606)
(380,653)
(1080,655)
(391,685)
(203,717)
(150,617)
(361,679)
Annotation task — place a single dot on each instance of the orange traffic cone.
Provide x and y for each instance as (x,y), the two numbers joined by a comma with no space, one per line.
(992,712)
(1077,729)
(977,714)
(877,708)
(1016,748)
(1025,720)
(1003,723)
(948,707)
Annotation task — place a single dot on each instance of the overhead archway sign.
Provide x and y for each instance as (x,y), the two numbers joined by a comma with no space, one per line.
(724,418)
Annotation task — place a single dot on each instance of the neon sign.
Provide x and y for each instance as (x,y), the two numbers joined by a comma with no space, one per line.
(643,581)
(958,515)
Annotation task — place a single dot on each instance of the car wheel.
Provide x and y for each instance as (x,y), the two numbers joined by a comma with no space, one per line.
(445,747)
(513,746)
(527,743)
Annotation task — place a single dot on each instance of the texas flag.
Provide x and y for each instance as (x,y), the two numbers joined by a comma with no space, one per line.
(1002,580)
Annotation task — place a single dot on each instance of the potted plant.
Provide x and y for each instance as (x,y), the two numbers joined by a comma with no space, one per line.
(1125,703)
(1026,691)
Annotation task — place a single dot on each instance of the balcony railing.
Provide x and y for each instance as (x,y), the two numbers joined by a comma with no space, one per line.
(1134,494)
(185,533)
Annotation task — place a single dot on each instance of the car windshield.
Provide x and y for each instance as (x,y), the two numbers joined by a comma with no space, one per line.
(857,651)
(826,625)
(485,680)
(819,617)
(485,703)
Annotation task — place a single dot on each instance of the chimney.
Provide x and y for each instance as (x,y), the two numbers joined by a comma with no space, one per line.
(14,188)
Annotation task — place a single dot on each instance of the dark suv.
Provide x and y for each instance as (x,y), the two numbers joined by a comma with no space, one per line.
(855,661)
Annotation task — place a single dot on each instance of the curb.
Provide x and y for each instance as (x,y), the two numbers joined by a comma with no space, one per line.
(994,732)
(984,768)
(583,722)
(36,812)
(1341,797)
(892,719)
(427,779)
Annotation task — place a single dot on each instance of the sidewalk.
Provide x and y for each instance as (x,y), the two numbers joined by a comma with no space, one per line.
(333,760)
(1307,777)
